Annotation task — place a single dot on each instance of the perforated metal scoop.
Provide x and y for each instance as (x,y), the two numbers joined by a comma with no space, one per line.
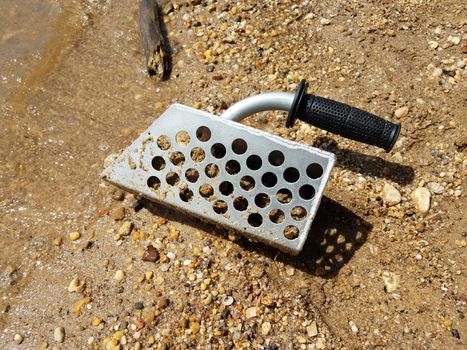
(253,182)
(261,185)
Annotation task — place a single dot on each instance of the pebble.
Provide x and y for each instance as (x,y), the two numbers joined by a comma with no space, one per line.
(125,229)
(401,112)
(119,275)
(266,328)
(391,196)
(436,188)
(59,334)
(437,72)
(18,338)
(139,306)
(163,303)
(421,199)
(391,281)
(454,39)
(312,329)
(227,300)
(433,44)
(251,312)
(353,326)
(150,254)
(210,68)
(75,285)
(194,327)
(324,21)
(74,236)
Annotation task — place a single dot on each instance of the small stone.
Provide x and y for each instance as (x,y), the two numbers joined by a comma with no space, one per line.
(18,338)
(436,188)
(118,213)
(268,301)
(353,326)
(74,236)
(455,333)
(139,306)
(391,196)
(420,227)
(391,281)
(437,72)
(312,329)
(119,275)
(340,28)
(125,229)
(57,241)
(454,39)
(251,312)
(194,327)
(301,339)
(163,303)
(421,199)
(266,328)
(76,309)
(433,44)
(140,325)
(10,269)
(401,112)
(227,300)
(149,316)
(324,21)
(210,68)
(118,194)
(59,334)
(150,254)
(75,285)
(290,271)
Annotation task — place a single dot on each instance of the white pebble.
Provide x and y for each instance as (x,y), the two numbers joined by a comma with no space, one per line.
(401,112)
(119,275)
(437,72)
(227,300)
(324,21)
(454,39)
(391,196)
(266,328)
(18,338)
(312,329)
(59,334)
(421,199)
(251,312)
(171,255)
(353,326)
(391,281)
(433,44)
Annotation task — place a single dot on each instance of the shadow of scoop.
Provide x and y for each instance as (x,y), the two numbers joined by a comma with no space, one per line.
(335,235)
(367,164)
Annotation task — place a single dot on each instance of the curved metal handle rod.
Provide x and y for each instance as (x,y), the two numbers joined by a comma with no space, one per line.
(259,103)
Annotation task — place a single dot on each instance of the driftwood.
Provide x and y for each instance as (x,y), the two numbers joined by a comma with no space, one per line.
(155,49)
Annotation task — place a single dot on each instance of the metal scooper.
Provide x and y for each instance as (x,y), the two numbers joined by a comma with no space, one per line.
(244,179)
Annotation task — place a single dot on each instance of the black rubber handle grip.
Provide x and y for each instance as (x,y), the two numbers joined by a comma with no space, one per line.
(344,120)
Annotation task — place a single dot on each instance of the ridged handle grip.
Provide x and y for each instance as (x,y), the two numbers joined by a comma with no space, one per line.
(344,120)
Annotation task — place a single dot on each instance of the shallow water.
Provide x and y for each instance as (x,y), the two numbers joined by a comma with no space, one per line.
(32,36)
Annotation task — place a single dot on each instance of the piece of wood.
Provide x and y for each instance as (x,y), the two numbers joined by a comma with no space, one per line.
(157,59)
